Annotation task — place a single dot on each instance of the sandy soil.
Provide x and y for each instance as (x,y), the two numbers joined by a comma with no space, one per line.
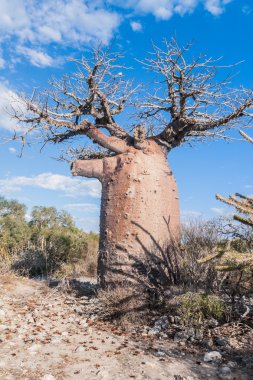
(48,334)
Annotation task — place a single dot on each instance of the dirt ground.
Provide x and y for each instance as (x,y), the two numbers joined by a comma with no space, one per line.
(48,334)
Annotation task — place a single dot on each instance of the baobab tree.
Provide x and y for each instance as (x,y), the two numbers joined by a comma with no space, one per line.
(139,206)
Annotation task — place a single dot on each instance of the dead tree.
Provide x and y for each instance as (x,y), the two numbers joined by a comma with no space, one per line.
(139,206)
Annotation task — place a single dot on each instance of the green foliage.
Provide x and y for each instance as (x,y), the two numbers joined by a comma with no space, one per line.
(45,243)
(49,217)
(196,307)
(14,231)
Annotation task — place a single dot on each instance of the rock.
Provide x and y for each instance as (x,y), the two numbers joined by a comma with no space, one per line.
(79,310)
(171,319)
(220,341)
(181,336)
(4,327)
(34,349)
(198,334)
(213,322)
(212,356)
(232,364)
(80,349)
(48,377)
(84,323)
(56,340)
(154,331)
(2,313)
(225,373)
(162,323)
(207,343)
(160,353)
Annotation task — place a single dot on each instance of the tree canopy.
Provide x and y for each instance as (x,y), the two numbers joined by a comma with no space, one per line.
(187,101)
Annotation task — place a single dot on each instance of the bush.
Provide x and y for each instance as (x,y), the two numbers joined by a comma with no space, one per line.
(195,308)
(184,280)
(200,239)
(46,243)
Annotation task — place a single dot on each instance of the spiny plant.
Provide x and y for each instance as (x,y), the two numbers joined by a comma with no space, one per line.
(242,203)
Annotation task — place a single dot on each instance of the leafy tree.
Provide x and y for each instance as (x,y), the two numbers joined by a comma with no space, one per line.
(41,246)
(49,217)
(14,231)
(187,102)
(55,237)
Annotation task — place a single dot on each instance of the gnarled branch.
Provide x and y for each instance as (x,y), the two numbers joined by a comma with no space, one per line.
(188,101)
(88,168)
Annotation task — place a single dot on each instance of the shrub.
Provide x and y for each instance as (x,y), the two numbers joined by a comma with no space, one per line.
(195,308)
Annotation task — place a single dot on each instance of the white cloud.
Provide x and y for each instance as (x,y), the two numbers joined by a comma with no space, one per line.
(88,223)
(190,214)
(33,23)
(12,150)
(216,7)
(88,207)
(161,9)
(246,9)
(37,57)
(2,61)
(185,6)
(163,13)
(136,26)
(222,211)
(8,97)
(73,187)
(218,210)
(165,9)
(61,21)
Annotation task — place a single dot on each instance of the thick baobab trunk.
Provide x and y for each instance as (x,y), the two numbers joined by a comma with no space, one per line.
(139,208)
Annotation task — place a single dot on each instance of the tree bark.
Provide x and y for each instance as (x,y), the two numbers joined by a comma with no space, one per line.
(139,208)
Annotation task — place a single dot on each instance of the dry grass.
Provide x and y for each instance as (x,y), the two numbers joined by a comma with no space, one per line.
(124,304)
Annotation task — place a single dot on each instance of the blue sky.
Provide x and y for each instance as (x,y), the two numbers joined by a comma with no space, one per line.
(37,38)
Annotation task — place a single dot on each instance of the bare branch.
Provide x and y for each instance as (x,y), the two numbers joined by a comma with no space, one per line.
(248,138)
(84,153)
(79,104)
(58,130)
(188,101)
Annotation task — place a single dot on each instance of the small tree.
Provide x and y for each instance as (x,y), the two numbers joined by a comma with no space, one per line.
(139,206)
(14,232)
